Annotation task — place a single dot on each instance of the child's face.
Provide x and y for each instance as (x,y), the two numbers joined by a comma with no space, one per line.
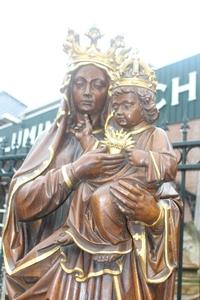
(127,110)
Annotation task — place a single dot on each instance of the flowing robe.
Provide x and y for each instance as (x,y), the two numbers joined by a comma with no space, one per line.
(43,263)
(95,222)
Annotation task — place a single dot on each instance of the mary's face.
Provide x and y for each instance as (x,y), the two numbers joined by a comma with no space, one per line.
(89,90)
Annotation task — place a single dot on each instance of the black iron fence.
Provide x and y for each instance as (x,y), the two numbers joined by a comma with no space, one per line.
(184,147)
(11,161)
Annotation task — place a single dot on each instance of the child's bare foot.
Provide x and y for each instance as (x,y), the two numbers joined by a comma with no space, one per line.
(106,257)
(64,239)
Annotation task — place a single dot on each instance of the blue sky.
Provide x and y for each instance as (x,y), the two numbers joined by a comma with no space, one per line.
(33,64)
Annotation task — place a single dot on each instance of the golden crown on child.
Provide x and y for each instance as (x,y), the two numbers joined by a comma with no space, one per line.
(135,72)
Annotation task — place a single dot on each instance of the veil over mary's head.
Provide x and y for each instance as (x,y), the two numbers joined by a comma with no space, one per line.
(47,145)
(108,60)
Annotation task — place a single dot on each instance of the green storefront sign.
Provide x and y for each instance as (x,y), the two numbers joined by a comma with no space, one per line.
(178,98)
(32,125)
(178,95)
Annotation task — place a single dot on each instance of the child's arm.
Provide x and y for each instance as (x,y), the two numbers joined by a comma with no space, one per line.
(158,157)
(138,158)
(83,133)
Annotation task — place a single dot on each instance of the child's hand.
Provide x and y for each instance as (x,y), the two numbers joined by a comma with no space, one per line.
(83,133)
(83,128)
(137,157)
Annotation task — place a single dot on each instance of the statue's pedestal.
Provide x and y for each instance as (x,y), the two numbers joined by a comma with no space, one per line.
(190,283)
(191,263)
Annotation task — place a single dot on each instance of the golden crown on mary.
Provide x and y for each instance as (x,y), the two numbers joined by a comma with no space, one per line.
(123,67)
(110,59)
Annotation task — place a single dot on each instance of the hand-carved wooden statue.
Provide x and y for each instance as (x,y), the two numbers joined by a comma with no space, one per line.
(92,211)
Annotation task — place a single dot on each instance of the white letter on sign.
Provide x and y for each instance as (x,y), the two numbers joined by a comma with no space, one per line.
(161,87)
(190,87)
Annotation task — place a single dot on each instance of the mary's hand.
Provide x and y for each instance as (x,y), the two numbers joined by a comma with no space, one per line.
(135,202)
(96,163)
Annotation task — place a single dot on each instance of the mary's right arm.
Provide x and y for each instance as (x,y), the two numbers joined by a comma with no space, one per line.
(41,196)
(44,194)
